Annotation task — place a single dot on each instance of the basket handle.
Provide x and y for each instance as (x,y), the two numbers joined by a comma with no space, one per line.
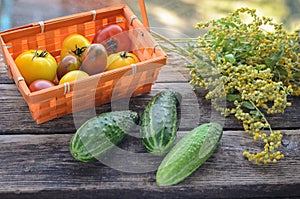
(144,13)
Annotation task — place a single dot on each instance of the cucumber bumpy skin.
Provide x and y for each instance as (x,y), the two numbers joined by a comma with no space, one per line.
(159,122)
(100,133)
(189,154)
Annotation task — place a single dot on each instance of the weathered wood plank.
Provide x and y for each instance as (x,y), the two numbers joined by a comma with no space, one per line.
(41,166)
(4,79)
(175,70)
(15,115)
(16,118)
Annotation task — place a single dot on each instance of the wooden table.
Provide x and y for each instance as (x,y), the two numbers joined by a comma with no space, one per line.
(35,159)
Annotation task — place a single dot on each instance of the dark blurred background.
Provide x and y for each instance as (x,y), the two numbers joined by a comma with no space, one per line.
(174,18)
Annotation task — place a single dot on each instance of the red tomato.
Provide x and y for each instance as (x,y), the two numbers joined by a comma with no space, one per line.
(106,33)
(113,38)
(40,84)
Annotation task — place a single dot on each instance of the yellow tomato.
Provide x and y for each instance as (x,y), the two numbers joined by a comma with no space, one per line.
(120,59)
(74,44)
(36,64)
(73,76)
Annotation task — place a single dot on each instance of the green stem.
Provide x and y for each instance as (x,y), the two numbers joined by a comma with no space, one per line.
(262,115)
(41,54)
(79,51)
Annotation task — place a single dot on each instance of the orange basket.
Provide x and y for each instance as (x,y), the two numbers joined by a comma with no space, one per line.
(97,89)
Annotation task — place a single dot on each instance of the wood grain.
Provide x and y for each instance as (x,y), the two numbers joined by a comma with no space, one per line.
(41,165)
(16,118)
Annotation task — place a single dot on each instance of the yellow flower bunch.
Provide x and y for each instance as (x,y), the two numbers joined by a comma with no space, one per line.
(253,69)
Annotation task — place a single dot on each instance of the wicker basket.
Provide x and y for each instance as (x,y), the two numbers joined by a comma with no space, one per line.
(97,89)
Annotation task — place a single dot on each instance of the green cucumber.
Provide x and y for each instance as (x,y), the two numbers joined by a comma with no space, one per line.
(189,154)
(159,122)
(100,133)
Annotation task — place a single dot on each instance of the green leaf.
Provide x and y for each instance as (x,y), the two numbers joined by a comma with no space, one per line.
(270,62)
(247,105)
(259,67)
(256,113)
(229,58)
(219,41)
(282,71)
(233,97)
(297,74)
(227,24)
(189,66)
(259,36)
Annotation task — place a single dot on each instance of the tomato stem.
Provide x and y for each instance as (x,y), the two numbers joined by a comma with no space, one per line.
(78,51)
(124,55)
(41,54)
(111,45)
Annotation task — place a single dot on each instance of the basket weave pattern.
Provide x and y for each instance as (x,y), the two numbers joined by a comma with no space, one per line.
(98,89)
